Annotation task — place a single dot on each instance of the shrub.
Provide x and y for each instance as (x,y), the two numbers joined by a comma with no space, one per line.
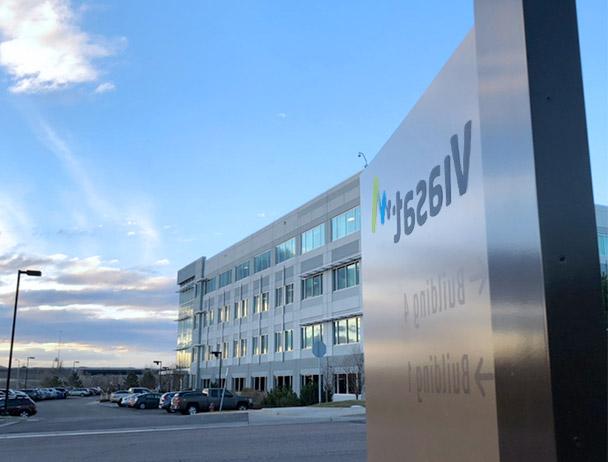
(256,396)
(309,394)
(281,397)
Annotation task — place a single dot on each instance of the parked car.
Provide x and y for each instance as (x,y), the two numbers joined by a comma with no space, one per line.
(116,396)
(130,401)
(124,401)
(139,390)
(192,402)
(165,401)
(63,392)
(43,393)
(19,405)
(32,393)
(146,401)
(79,392)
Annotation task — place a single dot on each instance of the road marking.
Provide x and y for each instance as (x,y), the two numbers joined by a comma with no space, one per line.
(10,422)
(118,431)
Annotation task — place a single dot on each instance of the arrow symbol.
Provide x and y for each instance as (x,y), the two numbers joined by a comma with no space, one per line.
(482,281)
(481,376)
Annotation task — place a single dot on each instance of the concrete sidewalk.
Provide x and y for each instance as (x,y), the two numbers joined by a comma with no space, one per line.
(307,414)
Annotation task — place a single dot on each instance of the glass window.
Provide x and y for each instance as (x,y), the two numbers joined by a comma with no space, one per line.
(347,330)
(255,345)
(225,350)
(313,238)
(346,276)
(241,271)
(288,294)
(288,337)
(310,333)
(602,241)
(256,303)
(244,307)
(209,286)
(278,296)
(261,262)
(235,348)
(312,286)
(263,344)
(278,342)
(211,316)
(236,312)
(225,278)
(285,250)
(243,349)
(346,223)
(265,301)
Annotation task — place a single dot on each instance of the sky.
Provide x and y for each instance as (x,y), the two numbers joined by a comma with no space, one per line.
(138,136)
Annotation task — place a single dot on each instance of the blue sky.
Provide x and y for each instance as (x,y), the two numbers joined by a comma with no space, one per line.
(135,139)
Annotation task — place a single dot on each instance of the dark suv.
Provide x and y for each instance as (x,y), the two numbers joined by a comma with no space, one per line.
(193,402)
(19,405)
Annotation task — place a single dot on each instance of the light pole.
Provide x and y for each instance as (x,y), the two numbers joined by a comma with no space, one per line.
(218,354)
(360,154)
(160,366)
(74,365)
(27,367)
(10,355)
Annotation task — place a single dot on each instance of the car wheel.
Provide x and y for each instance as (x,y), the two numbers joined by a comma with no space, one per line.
(24,413)
(142,406)
(192,410)
(242,407)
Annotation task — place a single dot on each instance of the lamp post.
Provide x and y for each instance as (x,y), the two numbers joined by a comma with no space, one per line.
(27,367)
(74,365)
(10,355)
(218,354)
(362,155)
(160,366)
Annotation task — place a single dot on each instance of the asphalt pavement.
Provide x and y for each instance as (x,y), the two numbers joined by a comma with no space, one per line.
(82,429)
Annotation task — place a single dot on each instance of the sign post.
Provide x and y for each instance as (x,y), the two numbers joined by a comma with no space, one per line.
(319,349)
(481,272)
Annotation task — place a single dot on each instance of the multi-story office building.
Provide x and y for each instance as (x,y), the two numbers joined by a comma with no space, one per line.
(263,303)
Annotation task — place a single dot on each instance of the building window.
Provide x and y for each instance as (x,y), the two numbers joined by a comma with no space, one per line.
(203,353)
(346,223)
(263,344)
(283,381)
(211,316)
(310,334)
(238,383)
(285,250)
(313,238)
(602,242)
(347,330)
(225,351)
(225,278)
(243,348)
(288,338)
(255,345)
(261,262)
(205,383)
(312,286)
(347,383)
(260,302)
(278,296)
(204,319)
(288,294)
(223,314)
(346,276)
(235,348)
(208,286)
(278,342)
(258,383)
(236,312)
(241,271)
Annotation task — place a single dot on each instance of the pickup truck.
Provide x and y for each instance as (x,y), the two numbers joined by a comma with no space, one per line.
(193,402)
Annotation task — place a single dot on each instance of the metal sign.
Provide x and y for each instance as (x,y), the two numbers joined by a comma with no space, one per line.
(318,348)
(461,210)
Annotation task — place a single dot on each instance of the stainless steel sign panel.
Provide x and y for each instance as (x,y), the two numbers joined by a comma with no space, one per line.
(428,333)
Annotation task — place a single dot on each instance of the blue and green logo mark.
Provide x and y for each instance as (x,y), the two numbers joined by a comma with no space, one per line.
(430,194)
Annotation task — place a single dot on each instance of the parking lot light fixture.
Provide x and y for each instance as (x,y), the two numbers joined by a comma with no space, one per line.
(27,367)
(10,355)
(160,366)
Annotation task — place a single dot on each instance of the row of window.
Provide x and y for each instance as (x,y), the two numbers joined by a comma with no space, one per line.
(343,277)
(341,226)
(345,331)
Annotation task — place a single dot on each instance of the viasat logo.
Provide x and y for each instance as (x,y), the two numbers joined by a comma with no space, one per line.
(430,194)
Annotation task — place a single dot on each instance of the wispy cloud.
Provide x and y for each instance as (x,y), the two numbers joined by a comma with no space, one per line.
(105,87)
(281,115)
(44,48)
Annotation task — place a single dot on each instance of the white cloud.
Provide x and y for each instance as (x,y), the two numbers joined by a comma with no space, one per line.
(162,262)
(44,49)
(281,115)
(131,233)
(261,214)
(105,87)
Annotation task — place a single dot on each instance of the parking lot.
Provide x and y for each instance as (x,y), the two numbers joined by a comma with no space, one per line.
(82,429)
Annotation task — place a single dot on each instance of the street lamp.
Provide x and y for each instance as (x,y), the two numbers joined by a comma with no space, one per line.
(27,366)
(218,354)
(362,155)
(74,365)
(160,366)
(10,355)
